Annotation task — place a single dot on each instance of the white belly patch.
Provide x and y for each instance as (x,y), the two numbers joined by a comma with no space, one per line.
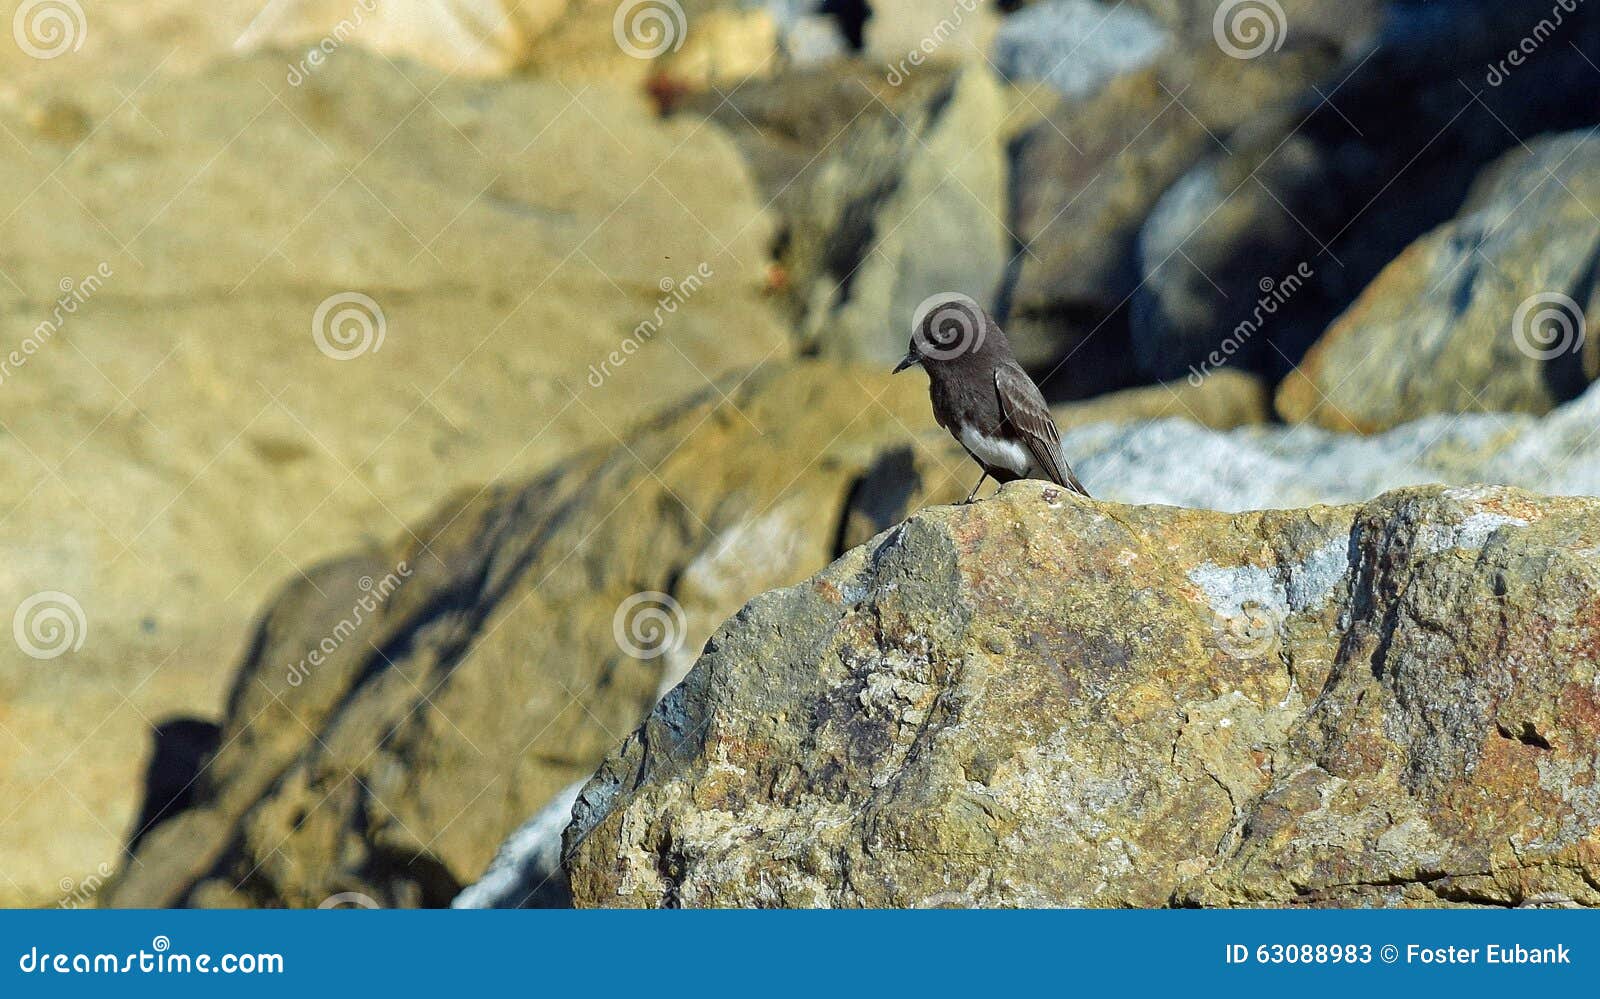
(995,452)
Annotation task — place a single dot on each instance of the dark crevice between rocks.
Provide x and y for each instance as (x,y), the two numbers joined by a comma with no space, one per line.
(182,749)
(1565,375)
(881,495)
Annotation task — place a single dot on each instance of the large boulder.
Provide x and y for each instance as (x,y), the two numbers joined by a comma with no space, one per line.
(1041,701)
(1369,158)
(888,190)
(1087,179)
(403,709)
(1490,311)
(180,429)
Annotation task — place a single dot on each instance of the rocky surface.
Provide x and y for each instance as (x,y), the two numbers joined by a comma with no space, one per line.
(1040,701)
(889,191)
(1368,159)
(1089,177)
(177,441)
(1180,462)
(1490,311)
(386,746)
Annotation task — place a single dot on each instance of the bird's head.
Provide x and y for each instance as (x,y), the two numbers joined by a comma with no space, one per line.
(949,329)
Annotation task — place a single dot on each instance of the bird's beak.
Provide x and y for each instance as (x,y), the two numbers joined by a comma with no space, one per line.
(909,361)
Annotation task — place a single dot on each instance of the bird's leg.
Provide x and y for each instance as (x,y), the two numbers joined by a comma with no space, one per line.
(976,488)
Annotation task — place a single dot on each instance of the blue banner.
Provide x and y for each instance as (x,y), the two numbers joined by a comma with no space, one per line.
(787,953)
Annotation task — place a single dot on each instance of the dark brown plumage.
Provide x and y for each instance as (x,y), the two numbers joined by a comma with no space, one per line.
(983,397)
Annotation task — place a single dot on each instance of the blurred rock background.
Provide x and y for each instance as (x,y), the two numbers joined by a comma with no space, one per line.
(364,360)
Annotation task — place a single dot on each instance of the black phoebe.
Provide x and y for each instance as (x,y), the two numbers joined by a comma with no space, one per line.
(983,397)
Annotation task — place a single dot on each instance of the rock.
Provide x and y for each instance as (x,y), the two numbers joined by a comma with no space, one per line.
(1174,461)
(177,441)
(400,711)
(951,31)
(1036,701)
(1076,45)
(1487,312)
(1256,25)
(932,468)
(1088,178)
(889,192)
(1373,155)
(465,37)
(526,872)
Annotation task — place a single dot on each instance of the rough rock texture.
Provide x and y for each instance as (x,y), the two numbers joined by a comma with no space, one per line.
(180,443)
(1040,701)
(1369,158)
(513,652)
(1088,177)
(1486,312)
(888,193)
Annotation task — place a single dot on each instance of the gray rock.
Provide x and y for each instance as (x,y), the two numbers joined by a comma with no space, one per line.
(526,872)
(1076,45)
(1346,175)
(1487,312)
(1177,462)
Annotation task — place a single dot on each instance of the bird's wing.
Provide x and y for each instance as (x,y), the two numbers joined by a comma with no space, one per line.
(1024,408)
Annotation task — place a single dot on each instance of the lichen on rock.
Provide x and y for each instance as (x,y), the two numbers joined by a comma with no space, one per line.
(1037,701)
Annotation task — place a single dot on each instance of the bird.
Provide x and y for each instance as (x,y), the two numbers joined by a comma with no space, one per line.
(981,395)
